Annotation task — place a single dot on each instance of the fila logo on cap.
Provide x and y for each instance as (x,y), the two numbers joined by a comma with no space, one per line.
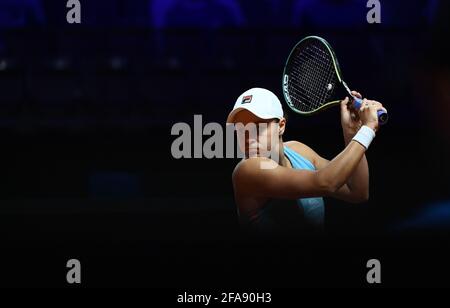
(247,99)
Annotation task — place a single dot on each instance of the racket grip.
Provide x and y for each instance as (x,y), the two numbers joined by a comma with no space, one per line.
(382,115)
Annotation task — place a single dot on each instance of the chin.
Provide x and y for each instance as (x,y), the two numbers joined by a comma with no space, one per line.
(252,153)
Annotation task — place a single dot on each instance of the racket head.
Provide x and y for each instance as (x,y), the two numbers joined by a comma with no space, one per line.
(311,76)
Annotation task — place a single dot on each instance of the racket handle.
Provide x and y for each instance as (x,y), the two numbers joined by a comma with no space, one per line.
(382,115)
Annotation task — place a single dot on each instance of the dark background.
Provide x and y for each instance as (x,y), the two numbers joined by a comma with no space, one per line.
(85,121)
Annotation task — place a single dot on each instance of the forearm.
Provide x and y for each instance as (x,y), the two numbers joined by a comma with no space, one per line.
(362,123)
(338,171)
(358,182)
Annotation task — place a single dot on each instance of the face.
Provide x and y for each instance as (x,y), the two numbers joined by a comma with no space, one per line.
(256,136)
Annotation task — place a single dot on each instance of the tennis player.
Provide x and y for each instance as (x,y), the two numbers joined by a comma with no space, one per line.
(288,196)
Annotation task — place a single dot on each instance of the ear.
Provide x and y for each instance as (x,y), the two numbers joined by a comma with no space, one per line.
(282,125)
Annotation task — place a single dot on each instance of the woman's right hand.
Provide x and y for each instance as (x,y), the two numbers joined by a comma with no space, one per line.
(368,113)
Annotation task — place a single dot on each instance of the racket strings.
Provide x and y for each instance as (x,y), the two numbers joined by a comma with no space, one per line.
(317,69)
(312,77)
(316,72)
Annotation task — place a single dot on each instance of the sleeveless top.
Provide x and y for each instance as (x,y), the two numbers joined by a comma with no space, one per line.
(296,217)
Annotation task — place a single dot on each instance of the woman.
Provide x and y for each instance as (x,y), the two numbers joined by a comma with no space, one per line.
(283,192)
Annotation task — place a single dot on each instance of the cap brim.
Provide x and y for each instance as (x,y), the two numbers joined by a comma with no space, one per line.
(230,118)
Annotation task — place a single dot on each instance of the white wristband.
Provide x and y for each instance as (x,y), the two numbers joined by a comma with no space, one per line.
(364,136)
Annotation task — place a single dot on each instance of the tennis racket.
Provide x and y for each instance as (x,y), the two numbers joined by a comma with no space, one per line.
(312,79)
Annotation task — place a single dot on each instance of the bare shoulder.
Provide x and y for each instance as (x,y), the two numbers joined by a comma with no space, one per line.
(248,178)
(247,191)
(250,167)
(303,150)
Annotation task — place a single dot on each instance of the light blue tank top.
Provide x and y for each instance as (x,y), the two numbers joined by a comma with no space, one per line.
(313,208)
(296,217)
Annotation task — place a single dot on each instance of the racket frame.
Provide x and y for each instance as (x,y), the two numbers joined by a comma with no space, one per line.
(285,80)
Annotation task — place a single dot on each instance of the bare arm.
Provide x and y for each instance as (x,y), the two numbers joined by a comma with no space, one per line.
(347,192)
(329,180)
(356,188)
(282,182)
(358,182)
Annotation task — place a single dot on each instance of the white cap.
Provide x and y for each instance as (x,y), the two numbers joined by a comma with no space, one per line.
(261,102)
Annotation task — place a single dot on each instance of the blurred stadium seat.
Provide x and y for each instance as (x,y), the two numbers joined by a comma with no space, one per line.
(12,89)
